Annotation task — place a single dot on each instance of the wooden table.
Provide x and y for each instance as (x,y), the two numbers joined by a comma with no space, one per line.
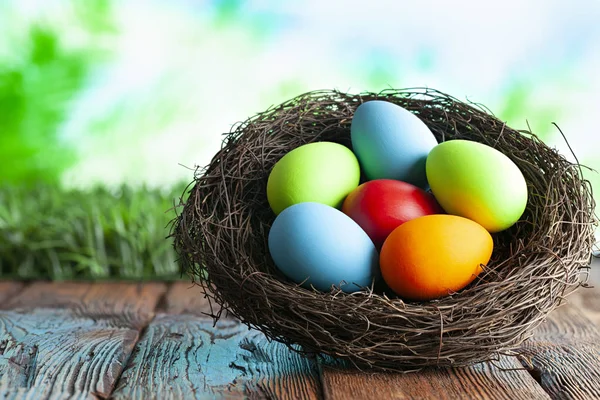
(151,341)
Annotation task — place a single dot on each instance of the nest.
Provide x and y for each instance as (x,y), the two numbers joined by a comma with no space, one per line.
(222,230)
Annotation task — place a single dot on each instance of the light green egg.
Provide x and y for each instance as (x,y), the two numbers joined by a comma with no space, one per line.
(321,172)
(476,181)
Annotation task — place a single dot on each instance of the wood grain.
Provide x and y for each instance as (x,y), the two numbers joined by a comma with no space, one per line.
(46,353)
(185,356)
(564,355)
(125,304)
(186,298)
(587,301)
(71,340)
(481,381)
(7,290)
(594,275)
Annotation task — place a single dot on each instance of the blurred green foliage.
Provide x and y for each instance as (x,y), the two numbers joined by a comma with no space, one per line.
(40,77)
(33,100)
(520,109)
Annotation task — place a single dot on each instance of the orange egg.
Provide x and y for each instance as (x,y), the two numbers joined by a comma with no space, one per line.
(433,256)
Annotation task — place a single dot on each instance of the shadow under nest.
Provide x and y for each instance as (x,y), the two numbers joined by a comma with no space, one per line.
(221,237)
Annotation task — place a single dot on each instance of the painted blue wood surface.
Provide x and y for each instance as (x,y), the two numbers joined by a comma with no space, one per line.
(84,345)
(71,340)
(185,356)
(56,354)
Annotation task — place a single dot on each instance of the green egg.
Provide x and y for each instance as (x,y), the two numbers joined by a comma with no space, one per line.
(321,172)
(478,182)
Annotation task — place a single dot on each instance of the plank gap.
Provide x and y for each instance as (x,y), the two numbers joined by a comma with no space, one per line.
(184,356)
(183,353)
(72,340)
(321,395)
(49,353)
(535,374)
(130,356)
(563,354)
(161,304)
(187,298)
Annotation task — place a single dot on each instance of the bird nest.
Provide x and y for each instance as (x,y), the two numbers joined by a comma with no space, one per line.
(222,230)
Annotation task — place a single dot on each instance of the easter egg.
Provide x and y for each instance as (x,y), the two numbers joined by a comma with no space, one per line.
(391,142)
(434,255)
(315,244)
(476,181)
(322,172)
(381,205)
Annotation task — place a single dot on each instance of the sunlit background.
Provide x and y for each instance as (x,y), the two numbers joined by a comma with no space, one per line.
(107,92)
(112,91)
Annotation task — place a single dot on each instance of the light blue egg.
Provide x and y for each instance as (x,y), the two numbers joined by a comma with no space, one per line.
(390,142)
(321,246)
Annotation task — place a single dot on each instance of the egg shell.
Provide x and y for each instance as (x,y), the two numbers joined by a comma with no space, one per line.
(321,246)
(434,255)
(381,205)
(391,142)
(322,172)
(476,181)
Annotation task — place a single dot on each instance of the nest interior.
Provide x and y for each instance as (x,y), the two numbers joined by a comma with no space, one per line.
(221,236)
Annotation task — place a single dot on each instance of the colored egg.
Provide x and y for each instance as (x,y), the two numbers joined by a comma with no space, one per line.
(476,181)
(318,245)
(381,205)
(433,256)
(322,172)
(391,142)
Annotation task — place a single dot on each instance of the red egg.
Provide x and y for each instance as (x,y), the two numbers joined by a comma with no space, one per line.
(380,206)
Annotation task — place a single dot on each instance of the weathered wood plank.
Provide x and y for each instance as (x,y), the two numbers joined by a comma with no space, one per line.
(51,295)
(126,304)
(71,340)
(187,298)
(564,354)
(8,289)
(184,356)
(587,301)
(594,273)
(50,353)
(481,381)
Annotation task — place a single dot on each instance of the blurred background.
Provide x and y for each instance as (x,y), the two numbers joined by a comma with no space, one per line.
(135,93)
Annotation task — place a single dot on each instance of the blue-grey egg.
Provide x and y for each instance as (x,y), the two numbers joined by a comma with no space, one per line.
(390,142)
(316,244)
